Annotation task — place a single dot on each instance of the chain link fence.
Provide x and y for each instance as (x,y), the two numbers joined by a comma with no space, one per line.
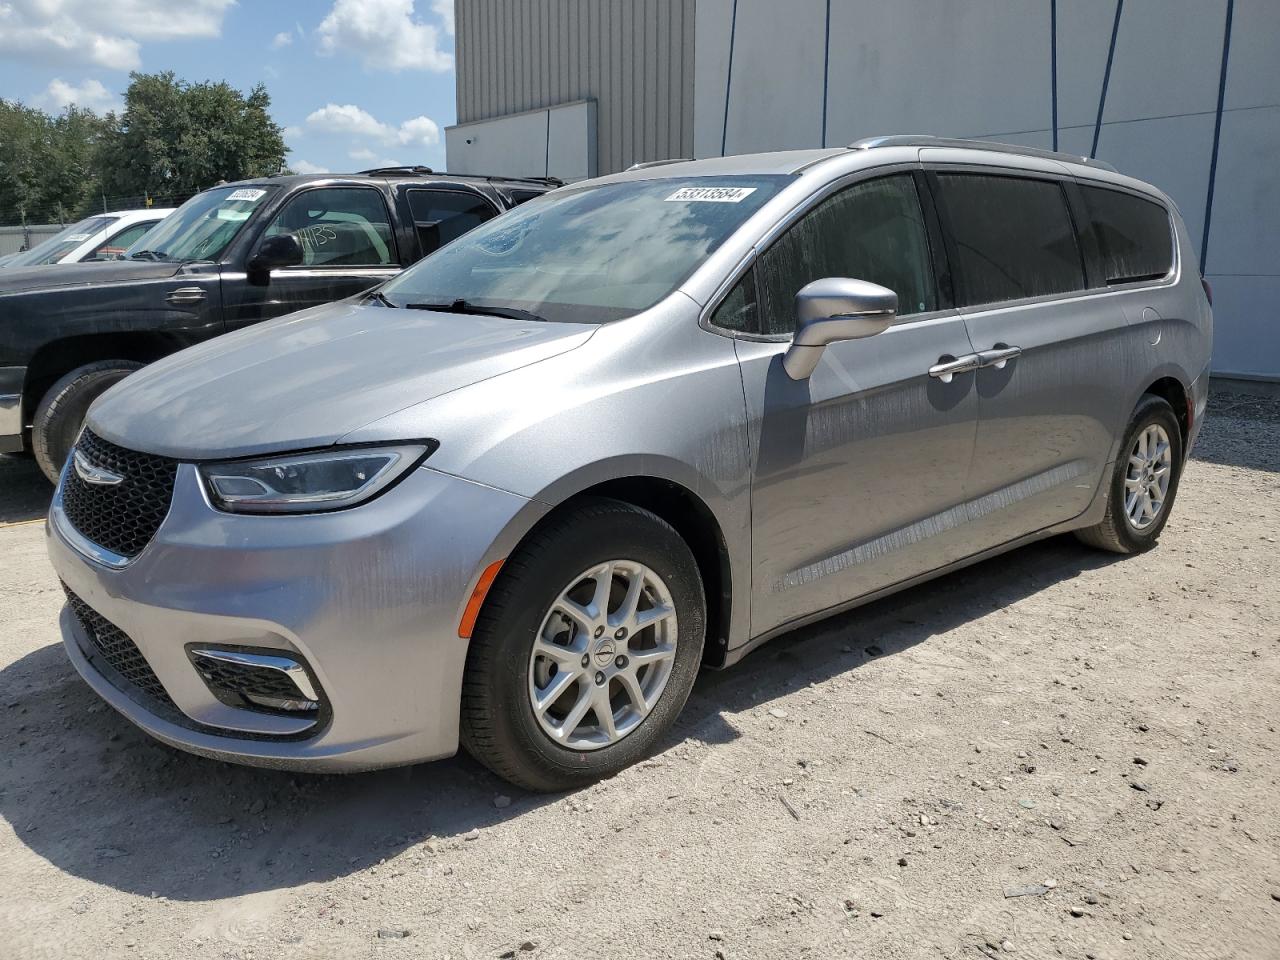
(21,228)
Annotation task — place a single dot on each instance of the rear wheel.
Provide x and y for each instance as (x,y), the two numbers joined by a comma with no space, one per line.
(1143,482)
(60,414)
(586,649)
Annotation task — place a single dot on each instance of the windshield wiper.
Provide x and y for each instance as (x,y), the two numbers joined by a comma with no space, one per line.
(462,306)
(381,298)
(148,255)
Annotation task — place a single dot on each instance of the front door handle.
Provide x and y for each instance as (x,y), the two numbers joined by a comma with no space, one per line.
(185,295)
(947,367)
(998,356)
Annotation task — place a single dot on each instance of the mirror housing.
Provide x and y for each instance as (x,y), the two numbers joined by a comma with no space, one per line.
(834,309)
(282,250)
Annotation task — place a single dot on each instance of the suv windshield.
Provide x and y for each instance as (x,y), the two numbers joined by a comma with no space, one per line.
(61,243)
(590,254)
(202,227)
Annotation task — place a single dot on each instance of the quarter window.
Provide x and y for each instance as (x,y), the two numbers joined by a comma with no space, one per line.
(338,226)
(871,231)
(444,215)
(1013,237)
(737,311)
(1134,238)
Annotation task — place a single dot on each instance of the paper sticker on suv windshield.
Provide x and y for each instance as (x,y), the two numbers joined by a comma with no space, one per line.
(712,194)
(246,194)
(78,237)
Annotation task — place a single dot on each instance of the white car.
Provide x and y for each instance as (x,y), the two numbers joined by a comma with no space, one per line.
(104,236)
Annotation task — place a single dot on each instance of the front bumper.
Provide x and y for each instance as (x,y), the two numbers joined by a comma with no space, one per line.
(369,598)
(11,379)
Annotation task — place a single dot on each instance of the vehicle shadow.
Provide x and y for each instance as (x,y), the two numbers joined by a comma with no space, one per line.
(24,492)
(88,792)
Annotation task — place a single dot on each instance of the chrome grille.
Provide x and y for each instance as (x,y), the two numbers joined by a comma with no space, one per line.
(122,517)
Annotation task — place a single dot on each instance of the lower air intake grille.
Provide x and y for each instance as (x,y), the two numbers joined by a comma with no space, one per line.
(119,652)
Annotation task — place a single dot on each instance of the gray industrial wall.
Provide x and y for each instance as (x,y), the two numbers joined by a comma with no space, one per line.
(1184,93)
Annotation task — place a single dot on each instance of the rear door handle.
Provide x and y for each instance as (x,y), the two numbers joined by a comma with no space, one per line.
(998,356)
(946,368)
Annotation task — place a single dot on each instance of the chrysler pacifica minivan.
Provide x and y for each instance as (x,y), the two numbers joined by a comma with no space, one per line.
(517,496)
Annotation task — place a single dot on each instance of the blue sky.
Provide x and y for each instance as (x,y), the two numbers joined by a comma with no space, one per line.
(355,83)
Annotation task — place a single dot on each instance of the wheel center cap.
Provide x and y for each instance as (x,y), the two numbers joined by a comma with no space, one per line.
(605,652)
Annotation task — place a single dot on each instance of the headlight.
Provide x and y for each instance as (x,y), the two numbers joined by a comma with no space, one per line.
(311,482)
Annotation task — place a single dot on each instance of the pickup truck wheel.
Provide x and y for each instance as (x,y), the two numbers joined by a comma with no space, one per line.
(61,412)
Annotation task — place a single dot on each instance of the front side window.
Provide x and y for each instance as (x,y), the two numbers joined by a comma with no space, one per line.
(203,227)
(1013,237)
(588,254)
(338,227)
(113,248)
(1134,237)
(61,243)
(441,216)
(872,231)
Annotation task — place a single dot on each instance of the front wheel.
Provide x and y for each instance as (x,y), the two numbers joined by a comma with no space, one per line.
(1143,483)
(60,414)
(586,648)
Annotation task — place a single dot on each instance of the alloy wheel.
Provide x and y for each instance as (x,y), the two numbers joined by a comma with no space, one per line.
(1146,484)
(603,655)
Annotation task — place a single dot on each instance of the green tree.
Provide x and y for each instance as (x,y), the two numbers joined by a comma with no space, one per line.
(176,138)
(47,163)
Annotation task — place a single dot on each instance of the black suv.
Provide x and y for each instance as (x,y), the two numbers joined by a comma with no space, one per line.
(228,257)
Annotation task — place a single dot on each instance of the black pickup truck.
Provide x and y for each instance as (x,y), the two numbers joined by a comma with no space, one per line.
(228,257)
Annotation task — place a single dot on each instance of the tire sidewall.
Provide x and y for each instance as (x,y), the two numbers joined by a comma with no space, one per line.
(1152,410)
(627,534)
(61,412)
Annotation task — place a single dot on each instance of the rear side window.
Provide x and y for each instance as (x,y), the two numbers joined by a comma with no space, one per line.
(1013,237)
(1135,240)
(444,215)
(871,231)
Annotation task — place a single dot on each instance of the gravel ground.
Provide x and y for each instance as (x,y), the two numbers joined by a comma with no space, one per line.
(1095,734)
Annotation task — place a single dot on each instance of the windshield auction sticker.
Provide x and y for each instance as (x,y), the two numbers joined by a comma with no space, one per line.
(712,194)
(246,193)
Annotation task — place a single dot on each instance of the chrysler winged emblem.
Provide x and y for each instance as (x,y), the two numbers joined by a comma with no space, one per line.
(92,473)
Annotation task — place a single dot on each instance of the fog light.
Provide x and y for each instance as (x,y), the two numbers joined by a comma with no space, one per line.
(263,681)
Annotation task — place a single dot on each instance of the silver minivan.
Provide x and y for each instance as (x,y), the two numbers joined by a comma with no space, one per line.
(516,497)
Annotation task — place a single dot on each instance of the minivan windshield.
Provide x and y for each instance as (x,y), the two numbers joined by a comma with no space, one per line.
(202,227)
(61,243)
(589,254)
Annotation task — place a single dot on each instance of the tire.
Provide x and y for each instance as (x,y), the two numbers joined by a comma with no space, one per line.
(499,726)
(1117,533)
(61,412)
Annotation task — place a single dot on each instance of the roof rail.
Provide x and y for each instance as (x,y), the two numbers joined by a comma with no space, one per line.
(407,170)
(912,140)
(657,163)
(553,181)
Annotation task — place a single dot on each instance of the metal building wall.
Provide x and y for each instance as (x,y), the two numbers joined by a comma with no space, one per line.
(1182,93)
(635,58)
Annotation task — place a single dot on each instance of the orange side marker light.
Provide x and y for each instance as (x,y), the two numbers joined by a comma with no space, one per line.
(472,612)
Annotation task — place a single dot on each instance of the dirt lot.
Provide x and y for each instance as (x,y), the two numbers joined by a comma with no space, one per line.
(875,787)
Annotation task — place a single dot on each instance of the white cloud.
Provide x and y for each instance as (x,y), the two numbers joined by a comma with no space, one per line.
(282,39)
(89,95)
(385,35)
(444,10)
(305,166)
(362,154)
(290,133)
(349,120)
(91,32)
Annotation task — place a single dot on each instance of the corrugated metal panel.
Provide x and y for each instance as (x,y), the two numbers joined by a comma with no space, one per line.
(633,57)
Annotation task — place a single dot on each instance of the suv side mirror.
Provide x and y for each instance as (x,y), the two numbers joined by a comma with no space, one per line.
(833,309)
(281,250)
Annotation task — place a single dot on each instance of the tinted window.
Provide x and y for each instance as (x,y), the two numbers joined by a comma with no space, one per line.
(444,215)
(737,311)
(114,247)
(1013,237)
(338,226)
(1134,237)
(872,231)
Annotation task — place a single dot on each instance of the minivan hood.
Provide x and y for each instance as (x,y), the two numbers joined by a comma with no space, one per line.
(308,379)
(51,275)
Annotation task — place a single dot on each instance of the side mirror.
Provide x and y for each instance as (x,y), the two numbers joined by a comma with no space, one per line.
(282,250)
(833,309)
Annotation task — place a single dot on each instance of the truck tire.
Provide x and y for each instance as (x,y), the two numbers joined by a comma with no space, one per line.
(61,412)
